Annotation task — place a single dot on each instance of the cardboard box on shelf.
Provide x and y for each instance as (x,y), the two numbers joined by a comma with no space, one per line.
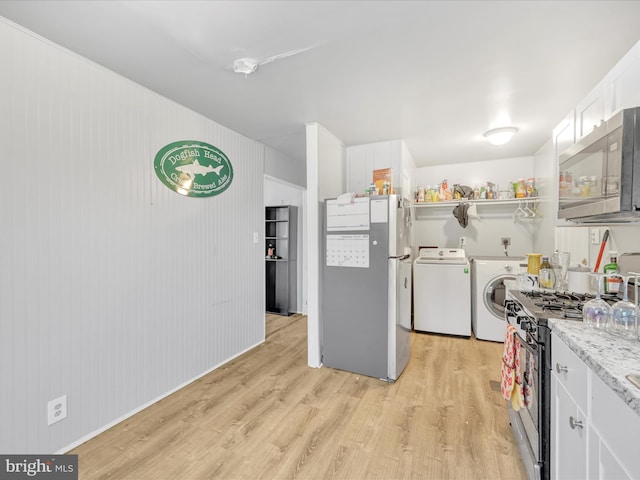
(381,176)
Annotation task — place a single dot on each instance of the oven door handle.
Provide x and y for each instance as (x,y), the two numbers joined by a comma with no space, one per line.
(528,347)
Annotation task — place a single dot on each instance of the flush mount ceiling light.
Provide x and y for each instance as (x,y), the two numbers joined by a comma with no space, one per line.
(500,136)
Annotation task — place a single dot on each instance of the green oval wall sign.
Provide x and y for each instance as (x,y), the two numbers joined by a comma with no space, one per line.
(194,169)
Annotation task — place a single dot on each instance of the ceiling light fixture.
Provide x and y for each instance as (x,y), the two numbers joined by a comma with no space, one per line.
(245,65)
(500,136)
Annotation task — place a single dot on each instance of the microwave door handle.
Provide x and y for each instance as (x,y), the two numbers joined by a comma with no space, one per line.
(529,348)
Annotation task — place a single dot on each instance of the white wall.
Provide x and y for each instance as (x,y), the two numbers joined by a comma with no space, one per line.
(279,192)
(473,174)
(545,173)
(623,238)
(279,165)
(114,290)
(326,166)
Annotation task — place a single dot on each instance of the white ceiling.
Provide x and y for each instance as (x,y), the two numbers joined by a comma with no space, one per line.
(435,73)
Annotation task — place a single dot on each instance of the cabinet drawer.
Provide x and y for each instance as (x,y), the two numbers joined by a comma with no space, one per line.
(570,371)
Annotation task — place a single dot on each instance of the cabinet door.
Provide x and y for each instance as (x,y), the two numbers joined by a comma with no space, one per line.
(617,425)
(569,438)
(621,84)
(590,111)
(358,175)
(608,465)
(564,135)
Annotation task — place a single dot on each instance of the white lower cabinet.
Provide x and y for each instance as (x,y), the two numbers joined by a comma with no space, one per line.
(569,436)
(568,406)
(602,463)
(593,435)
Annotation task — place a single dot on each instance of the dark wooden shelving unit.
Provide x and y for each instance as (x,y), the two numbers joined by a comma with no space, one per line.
(281,226)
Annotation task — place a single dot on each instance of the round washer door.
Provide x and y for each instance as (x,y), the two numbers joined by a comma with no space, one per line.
(494,295)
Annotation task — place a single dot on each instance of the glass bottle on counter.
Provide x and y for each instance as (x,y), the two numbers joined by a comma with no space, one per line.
(547,275)
(612,282)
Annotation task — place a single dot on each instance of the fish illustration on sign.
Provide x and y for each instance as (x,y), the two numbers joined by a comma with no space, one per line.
(193,169)
(177,166)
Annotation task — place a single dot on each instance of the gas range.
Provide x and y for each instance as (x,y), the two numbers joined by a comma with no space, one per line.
(545,304)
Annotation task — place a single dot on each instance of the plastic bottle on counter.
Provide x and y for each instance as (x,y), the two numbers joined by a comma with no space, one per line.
(613,283)
(547,275)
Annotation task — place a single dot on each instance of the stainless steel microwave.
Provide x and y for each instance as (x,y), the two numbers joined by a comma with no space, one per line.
(600,175)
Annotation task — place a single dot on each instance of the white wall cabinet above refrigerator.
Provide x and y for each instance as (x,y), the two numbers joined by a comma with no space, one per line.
(362,160)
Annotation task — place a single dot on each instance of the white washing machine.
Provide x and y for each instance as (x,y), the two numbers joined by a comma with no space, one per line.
(442,292)
(488,293)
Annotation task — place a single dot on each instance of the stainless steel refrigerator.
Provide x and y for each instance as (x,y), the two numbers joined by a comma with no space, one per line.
(366,285)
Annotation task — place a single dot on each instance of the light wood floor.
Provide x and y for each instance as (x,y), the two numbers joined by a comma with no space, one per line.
(267,415)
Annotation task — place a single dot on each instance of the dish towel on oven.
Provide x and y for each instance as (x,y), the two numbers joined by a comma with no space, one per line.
(510,372)
(527,383)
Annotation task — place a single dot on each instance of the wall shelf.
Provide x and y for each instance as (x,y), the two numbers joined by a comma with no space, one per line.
(522,210)
(482,202)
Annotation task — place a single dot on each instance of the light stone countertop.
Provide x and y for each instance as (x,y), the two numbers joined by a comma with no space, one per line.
(610,357)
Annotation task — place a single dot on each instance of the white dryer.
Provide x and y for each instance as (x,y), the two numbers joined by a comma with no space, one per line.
(442,292)
(488,294)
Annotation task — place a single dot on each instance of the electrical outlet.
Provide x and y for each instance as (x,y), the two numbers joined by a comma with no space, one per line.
(595,236)
(56,410)
(505,241)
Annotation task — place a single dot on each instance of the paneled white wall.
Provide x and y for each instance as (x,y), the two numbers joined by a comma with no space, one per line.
(114,290)
(279,165)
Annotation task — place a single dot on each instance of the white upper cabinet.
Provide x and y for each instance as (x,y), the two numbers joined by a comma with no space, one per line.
(362,160)
(590,112)
(622,83)
(619,89)
(564,135)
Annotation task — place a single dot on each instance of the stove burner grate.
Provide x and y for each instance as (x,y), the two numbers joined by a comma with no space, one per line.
(569,304)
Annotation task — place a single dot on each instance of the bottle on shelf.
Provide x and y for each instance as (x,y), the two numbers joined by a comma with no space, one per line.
(547,275)
(271,251)
(613,282)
